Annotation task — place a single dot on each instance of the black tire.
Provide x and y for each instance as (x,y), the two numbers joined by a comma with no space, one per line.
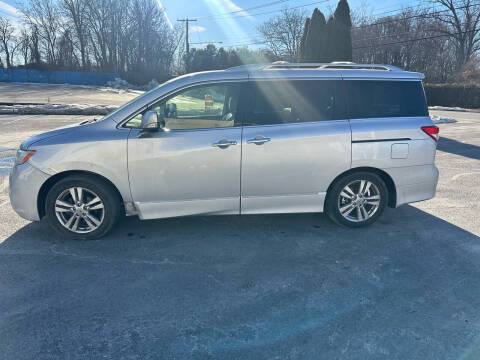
(333,199)
(110,212)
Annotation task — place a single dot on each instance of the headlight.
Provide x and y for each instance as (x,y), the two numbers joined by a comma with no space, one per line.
(23,156)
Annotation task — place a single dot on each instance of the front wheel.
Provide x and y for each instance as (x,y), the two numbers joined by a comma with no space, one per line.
(82,207)
(357,199)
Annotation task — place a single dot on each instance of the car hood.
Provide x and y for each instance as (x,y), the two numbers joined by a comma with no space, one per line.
(34,139)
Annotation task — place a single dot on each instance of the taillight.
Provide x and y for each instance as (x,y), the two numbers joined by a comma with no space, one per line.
(431,131)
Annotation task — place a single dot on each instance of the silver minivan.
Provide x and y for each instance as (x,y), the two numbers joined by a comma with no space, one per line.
(343,138)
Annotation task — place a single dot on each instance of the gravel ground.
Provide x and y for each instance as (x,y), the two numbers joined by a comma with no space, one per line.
(252,287)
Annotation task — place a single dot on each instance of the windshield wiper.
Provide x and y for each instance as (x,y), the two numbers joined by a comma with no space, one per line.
(88,121)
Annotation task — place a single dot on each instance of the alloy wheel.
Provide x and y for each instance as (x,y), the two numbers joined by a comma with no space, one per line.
(79,210)
(359,200)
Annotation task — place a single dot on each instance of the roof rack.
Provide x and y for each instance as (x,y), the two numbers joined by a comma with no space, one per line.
(333,65)
(353,66)
(336,65)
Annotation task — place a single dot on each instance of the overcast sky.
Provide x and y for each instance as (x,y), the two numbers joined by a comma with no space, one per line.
(234,22)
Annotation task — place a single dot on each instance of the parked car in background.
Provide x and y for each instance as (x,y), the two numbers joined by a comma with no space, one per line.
(343,138)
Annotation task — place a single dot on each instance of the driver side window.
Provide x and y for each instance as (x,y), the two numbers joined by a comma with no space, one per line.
(199,107)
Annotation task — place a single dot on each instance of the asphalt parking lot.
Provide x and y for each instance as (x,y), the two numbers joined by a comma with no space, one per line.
(253,287)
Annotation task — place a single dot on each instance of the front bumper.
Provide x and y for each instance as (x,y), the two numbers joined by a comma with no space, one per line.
(25,182)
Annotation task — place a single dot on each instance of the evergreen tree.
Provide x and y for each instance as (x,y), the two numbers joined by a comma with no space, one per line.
(316,38)
(340,38)
(301,49)
(332,40)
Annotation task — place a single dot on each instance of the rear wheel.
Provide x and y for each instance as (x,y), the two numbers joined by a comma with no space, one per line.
(357,199)
(82,207)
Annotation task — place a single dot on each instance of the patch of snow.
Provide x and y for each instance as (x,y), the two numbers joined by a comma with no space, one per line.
(120,91)
(58,109)
(120,84)
(7,158)
(123,85)
(4,181)
(447,108)
(151,85)
(442,120)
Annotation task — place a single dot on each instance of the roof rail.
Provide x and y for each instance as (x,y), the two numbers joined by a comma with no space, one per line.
(246,67)
(333,65)
(338,65)
(353,66)
(288,65)
(343,62)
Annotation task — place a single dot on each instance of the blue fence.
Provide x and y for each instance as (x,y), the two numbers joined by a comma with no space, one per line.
(56,77)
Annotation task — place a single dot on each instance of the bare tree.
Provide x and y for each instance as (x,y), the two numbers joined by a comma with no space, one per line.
(153,43)
(35,56)
(25,44)
(103,37)
(43,16)
(76,11)
(411,40)
(462,20)
(66,56)
(8,41)
(282,33)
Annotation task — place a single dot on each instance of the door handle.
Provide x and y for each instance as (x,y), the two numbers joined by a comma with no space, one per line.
(224,143)
(258,140)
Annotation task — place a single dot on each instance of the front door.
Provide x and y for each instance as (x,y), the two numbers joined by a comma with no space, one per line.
(192,165)
(295,142)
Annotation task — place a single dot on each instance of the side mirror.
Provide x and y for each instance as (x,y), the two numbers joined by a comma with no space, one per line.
(150,120)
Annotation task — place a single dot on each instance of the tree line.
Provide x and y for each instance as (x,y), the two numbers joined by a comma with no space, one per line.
(212,58)
(134,39)
(442,40)
(131,37)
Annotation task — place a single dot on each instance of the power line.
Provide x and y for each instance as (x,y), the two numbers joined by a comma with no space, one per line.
(206,42)
(396,10)
(274,11)
(409,17)
(263,13)
(310,5)
(382,23)
(245,44)
(373,24)
(378,45)
(225,15)
(412,17)
(244,10)
(401,19)
(391,35)
(366,25)
(294,7)
(417,39)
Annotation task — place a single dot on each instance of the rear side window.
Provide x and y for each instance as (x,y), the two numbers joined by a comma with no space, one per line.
(377,99)
(283,102)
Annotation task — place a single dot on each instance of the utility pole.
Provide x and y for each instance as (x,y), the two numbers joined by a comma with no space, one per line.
(186,21)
